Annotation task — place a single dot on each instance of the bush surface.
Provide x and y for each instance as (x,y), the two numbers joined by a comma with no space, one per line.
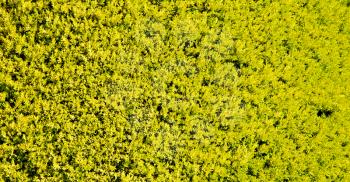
(195,90)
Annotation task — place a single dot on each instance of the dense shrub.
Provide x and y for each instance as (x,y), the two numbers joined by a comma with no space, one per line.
(161,90)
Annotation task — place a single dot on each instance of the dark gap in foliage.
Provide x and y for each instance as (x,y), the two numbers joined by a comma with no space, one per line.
(244,140)
(14,54)
(24,111)
(50,6)
(276,123)
(76,31)
(303,5)
(10,94)
(330,138)
(173,13)
(100,116)
(145,52)
(178,90)
(193,54)
(156,2)
(314,134)
(49,81)
(18,138)
(205,82)
(150,33)
(21,158)
(254,105)
(127,135)
(324,112)
(281,79)
(70,159)
(251,172)
(267,164)
(170,84)
(20,28)
(41,94)
(242,105)
(262,142)
(171,170)
(190,73)
(320,162)
(286,44)
(155,175)
(14,77)
(229,117)
(50,167)
(159,107)
(200,7)
(45,39)
(100,132)
(51,130)
(22,56)
(181,125)
(266,60)
(167,160)
(2,139)
(104,3)
(124,166)
(32,171)
(165,119)
(64,174)
(285,180)
(223,127)
(193,132)
(80,61)
(188,46)
(146,140)
(315,56)
(218,112)
(237,63)
(10,5)
(233,147)
(259,154)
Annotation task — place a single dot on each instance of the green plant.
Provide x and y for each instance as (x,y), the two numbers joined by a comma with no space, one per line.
(189,90)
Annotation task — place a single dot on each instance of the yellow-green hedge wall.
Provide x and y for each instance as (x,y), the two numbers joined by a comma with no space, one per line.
(165,90)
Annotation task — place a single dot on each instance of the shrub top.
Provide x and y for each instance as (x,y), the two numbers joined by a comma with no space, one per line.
(174,90)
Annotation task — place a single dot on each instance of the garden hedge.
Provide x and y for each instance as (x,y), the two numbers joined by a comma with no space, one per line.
(195,90)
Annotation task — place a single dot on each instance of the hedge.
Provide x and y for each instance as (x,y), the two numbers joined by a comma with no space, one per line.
(157,90)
